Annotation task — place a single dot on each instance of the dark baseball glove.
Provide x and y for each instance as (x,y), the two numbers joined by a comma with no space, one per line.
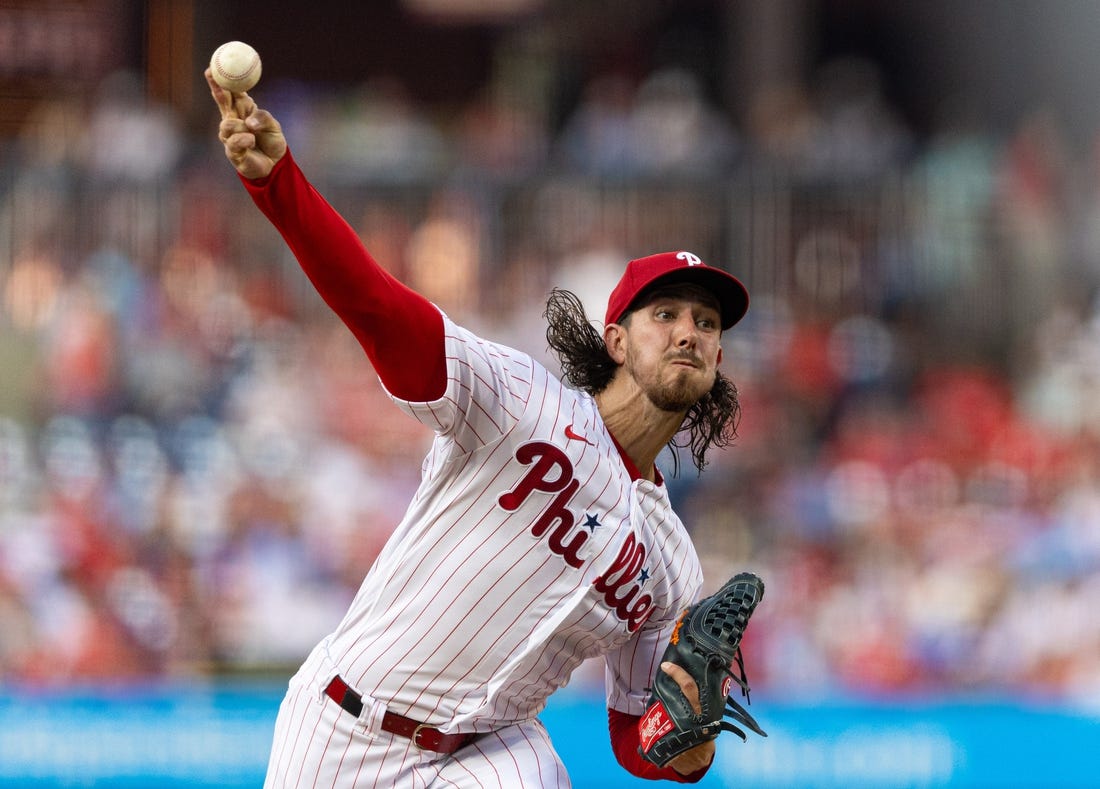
(707,644)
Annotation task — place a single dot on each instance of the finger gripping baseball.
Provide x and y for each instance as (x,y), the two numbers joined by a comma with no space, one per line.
(707,645)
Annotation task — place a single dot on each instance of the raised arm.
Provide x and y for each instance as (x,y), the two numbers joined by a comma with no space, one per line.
(400,330)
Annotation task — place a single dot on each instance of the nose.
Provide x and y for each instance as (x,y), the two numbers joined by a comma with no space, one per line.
(687,333)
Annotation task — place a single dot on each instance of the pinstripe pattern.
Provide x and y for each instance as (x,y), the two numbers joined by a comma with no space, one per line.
(526,550)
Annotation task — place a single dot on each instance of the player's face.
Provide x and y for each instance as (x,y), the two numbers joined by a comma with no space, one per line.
(672,347)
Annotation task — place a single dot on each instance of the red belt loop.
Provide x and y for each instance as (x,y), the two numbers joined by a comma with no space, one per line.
(424,737)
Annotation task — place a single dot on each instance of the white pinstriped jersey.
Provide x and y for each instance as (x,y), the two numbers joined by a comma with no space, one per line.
(527,549)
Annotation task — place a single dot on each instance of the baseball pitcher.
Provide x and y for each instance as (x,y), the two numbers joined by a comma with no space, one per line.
(541,534)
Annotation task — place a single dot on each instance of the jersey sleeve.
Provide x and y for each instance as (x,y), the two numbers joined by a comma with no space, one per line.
(400,330)
(488,388)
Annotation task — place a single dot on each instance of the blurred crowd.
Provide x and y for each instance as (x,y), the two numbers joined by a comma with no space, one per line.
(197,464)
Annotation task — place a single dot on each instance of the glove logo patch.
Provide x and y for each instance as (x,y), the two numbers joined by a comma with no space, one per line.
(654,725)
(727,686)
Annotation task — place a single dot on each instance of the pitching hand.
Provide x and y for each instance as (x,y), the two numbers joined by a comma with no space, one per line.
(701,755)
(253,139)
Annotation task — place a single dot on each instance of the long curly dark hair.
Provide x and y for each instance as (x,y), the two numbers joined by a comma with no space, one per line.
(586,365)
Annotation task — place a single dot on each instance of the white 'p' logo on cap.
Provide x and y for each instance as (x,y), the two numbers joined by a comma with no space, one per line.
(692,259)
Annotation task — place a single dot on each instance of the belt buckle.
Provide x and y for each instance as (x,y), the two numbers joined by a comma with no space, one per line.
(416,735)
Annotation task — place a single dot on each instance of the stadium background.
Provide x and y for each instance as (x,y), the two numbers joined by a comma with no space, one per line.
(193,474)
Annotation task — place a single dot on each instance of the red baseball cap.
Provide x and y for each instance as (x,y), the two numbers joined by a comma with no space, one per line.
(668,267)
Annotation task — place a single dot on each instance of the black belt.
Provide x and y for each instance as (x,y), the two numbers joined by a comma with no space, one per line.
(423,736)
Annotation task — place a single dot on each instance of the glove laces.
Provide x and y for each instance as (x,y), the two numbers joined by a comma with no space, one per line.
(733,707)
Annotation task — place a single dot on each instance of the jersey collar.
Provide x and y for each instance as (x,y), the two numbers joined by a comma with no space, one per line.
(632,469)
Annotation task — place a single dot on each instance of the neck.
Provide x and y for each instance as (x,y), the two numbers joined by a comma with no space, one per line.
(641,428)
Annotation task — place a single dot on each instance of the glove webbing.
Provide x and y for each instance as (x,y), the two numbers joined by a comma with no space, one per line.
(725,623)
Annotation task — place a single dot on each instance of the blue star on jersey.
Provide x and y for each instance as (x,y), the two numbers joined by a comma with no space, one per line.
(591,523)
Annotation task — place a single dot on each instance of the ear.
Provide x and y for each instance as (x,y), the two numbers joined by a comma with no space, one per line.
(614,337)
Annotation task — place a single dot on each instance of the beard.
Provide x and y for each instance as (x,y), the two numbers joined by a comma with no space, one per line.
(677,395)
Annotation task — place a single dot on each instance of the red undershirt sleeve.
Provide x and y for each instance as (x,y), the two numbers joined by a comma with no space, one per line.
(624,742)
(400,330)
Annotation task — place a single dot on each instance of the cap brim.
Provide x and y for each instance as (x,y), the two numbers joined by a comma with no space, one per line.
(733,298)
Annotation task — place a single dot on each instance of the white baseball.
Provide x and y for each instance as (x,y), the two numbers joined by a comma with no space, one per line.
(236,66)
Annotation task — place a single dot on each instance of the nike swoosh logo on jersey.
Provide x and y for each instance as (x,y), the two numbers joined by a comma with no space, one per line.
(576,436)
